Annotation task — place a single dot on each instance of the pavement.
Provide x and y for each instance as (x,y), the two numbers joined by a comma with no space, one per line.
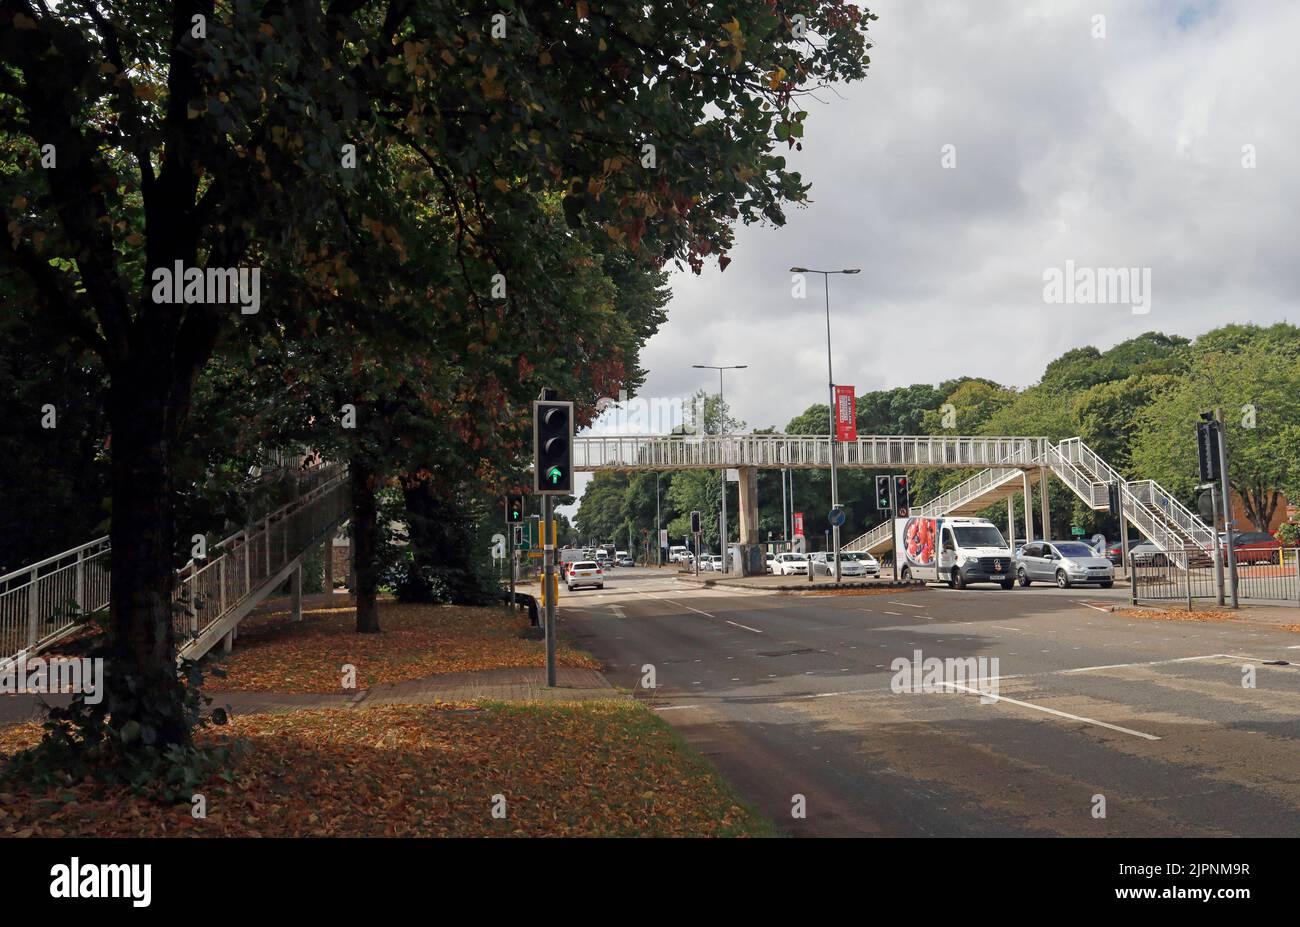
(508,684)
(1100,725)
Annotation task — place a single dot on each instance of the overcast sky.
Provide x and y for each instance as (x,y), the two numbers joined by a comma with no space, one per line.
(1122,151)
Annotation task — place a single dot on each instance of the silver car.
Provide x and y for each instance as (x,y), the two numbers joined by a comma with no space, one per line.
(1066,563)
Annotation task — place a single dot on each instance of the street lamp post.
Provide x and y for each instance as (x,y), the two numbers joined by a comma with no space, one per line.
(722,426)
(835,491)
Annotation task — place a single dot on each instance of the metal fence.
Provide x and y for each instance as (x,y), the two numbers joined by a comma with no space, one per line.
(245,562)
(41,602)
(1188,574)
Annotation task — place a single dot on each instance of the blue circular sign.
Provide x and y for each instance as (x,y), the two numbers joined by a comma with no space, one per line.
(836,517)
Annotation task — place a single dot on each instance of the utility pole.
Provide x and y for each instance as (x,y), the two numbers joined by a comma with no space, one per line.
(548,588)
(659,547)
(835,492)
(722,430)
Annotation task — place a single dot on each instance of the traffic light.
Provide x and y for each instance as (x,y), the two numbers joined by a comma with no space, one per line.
(552,447)
(695,522)
(901,498)
(515,509)
(882,493)
(1207,450)
(1112,492)
(519,535)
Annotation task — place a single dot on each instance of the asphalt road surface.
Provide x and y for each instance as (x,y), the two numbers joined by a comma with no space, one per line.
(791,696)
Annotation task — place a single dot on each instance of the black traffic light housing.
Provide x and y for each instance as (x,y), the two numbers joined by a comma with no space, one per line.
(552,447)
(882,494)
(1207,450)
(515,509)
(695,522)
(1112,493)
(901,496)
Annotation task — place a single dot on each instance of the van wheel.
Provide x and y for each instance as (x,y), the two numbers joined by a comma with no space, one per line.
(1023,577)
(1062,580)
(958,581)
(906,574)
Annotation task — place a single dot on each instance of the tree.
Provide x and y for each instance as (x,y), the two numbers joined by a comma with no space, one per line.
(192,136)
(1258,389)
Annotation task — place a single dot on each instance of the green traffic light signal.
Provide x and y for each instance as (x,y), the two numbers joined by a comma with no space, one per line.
(554,475)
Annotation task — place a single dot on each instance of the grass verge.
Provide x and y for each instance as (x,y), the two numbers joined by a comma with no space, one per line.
(273,653)
(603,768)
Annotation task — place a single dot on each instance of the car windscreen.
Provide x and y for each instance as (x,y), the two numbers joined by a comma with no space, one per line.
(1075,550)
(798,557)
(978,536)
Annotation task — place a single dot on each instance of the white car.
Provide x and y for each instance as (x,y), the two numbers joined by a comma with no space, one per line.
(870,565)
(769,560)
(585,573)
(710,563)
(790,565)
(849,565)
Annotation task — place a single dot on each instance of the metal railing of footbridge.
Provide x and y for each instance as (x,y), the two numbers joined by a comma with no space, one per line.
(686,452)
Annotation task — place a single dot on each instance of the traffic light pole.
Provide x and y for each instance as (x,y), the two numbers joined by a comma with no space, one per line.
(1227,509)
(893,513)
(548,587)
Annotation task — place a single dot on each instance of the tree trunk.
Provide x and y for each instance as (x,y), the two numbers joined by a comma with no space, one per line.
(365,542)
(143,682)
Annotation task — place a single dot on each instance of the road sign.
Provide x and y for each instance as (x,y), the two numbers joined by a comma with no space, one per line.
(1077,531)
(836,517)
(798,524)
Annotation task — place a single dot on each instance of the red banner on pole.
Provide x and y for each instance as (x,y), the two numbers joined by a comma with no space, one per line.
(798,524)
(846,414)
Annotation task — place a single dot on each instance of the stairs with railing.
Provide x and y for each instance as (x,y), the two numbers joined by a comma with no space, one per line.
(1148,506)
(44,602)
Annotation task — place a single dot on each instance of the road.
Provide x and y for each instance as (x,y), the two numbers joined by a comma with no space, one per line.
(791,696)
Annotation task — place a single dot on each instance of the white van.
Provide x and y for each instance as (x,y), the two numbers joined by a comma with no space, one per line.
(677,553)
(954,550)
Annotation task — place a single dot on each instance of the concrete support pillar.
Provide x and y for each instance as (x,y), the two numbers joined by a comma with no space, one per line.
(1044,504)
(1011,523)
(295,590)
(228,642)
(750,552)
(1029,506)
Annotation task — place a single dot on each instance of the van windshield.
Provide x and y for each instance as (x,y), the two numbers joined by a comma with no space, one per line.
(978,536)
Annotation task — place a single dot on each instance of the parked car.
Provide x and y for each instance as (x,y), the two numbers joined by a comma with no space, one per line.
(1112,550)
(1067,563)
(1148,554)
(824,564)
(769,561)
(626,560)
(1255,547)
(870,565)
(790,565)
(707,561)
(585,573)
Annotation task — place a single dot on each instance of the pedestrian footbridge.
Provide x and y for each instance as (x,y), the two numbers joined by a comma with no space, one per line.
(46,601)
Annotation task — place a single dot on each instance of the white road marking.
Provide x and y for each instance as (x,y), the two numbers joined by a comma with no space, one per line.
(1208,656)
(1051,711)
(906,604)
(737,624)
(1003,627)
(1097,607)
(674,707)
(896,614)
